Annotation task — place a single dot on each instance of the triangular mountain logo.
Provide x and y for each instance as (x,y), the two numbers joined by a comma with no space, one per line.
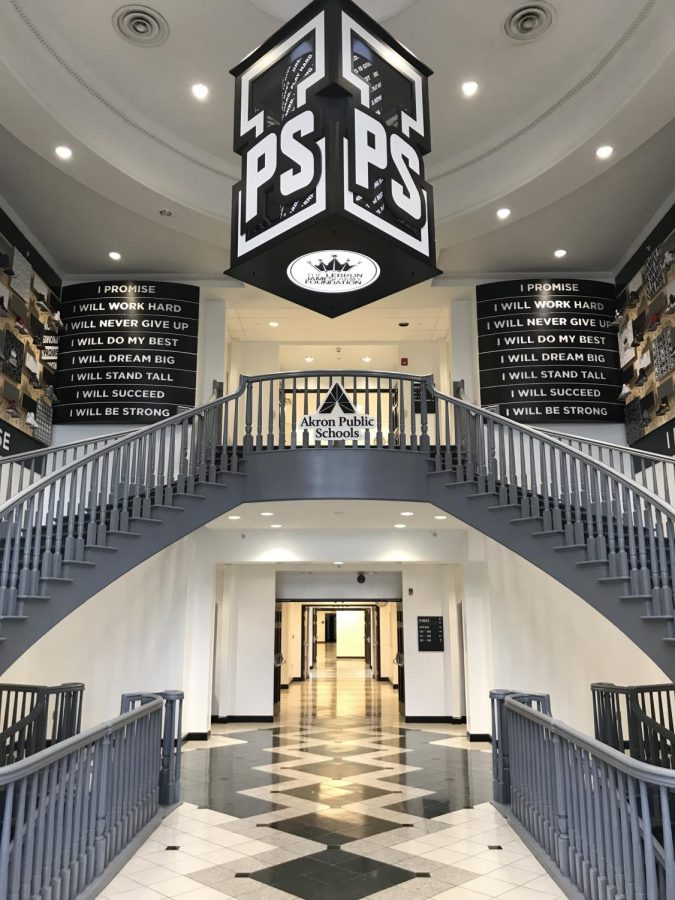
(336,400)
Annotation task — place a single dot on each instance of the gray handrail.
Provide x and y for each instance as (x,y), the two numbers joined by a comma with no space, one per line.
(603,818)
(655,471)
(68,811)
(23,469)
(587,501)
(26,713)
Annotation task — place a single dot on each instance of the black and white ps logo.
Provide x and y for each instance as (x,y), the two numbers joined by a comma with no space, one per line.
(332,123)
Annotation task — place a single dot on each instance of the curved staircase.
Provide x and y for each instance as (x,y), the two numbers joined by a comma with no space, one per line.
(597,530)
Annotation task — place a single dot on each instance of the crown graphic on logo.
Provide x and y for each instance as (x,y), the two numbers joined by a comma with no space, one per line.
(334,265)
(336,397)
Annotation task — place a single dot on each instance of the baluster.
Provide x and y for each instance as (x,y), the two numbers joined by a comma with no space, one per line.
(57,558)
(258,432)
(402,441)
(643,585)
(449,463)
(503,477)
(378,388)
(270,416)
(236,459)
(653,562)
(366,434)
(46,560)
(162,469)
(392,400)
(305,408)
(537,486)
(294,414)
(525,482)
(591,538)
(413,385)
(33,585)
(282,413)
(513,477)
(577,504)
(225,460)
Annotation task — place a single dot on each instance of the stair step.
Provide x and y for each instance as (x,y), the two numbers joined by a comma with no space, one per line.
(554,531)
(133,534)
(163,506)
(101,547)
(505,506)
(636,598)
(657,618)
(613,579)
(566,548)
(54,579)
(593,562)
(526,520)
(81,563)
(669,640)
(31,598)
(482,494)
(142,519)
(193,496)
(13,618)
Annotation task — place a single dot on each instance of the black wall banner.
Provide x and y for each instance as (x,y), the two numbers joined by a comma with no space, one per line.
(128,352)
(548,350)
(332,123)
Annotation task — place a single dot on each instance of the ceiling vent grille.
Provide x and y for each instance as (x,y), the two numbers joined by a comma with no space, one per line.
(529,21)
(141,25)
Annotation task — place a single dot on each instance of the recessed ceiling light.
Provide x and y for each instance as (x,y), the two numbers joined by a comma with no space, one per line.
(273,324)
(366,359)
(407,514)
(115,255)
(276,525)
(503,213)
(167,213)
(560,253)
(234,517)
(399,525)
(267,514)
(470,88)
(63,152)
(338,562)
(604,152)
(200,91)
(440,517)
(403,324)
(309,359)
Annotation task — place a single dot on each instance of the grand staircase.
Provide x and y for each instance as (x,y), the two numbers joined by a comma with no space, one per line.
(75,525)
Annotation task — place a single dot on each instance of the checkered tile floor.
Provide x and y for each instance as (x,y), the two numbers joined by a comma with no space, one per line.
(335,808)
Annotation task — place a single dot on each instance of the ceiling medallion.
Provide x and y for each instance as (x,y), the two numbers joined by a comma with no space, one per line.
(141,25)
(529,21)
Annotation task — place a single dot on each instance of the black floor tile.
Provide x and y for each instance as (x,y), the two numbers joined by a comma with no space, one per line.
(357,792)
(334,827)
(337,769)
(333,875)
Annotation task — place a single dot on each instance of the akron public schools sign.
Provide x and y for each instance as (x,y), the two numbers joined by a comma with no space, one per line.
(332,123)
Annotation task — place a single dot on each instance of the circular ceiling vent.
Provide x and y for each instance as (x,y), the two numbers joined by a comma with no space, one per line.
(141,25)
(529,21)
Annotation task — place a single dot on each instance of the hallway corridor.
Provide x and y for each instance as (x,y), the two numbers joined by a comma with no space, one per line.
(338,800)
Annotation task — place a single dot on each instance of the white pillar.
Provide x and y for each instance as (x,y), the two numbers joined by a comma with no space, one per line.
(478,657)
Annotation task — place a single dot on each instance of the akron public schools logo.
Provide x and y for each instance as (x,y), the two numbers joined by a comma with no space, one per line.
(337,418)
(333,272)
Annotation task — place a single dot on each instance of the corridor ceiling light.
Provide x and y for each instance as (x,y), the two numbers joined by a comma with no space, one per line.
(604,152)
(560,253)
(400,525)
(338,562)
(115,255)
(440,517)
(234,517)
(63,152)
(309,359)
(273,324)
(503,213)
(267,514)
(470,88)
(276,525)
(407,514)
(200,91)
(366,359)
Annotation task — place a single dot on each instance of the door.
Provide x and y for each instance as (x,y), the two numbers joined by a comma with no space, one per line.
(400,658)
(278,658)
(305,649)
(330,628)
(368,651)
(375,613)
(315,635)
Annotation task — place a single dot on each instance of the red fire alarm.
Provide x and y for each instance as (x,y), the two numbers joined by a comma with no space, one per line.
(404,360)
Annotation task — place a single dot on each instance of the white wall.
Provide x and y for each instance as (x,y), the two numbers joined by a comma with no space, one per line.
(337,586)
(429,675)
(128,637)
(351,633)
(542,637)
(321,626)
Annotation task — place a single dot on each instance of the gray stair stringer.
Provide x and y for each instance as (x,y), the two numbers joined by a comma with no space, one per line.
(343,474)
(67,596)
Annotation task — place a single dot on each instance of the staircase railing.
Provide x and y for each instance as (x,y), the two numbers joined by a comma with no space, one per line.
(67,812)
(652,470)
(641,717)
(33,717)
(591,505)
(603,818)
(23,469)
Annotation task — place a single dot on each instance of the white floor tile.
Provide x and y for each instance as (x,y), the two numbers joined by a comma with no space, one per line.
(490,885)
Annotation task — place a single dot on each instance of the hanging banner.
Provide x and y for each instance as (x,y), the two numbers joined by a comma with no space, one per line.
(128,352)
(332,124)
(548,350)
